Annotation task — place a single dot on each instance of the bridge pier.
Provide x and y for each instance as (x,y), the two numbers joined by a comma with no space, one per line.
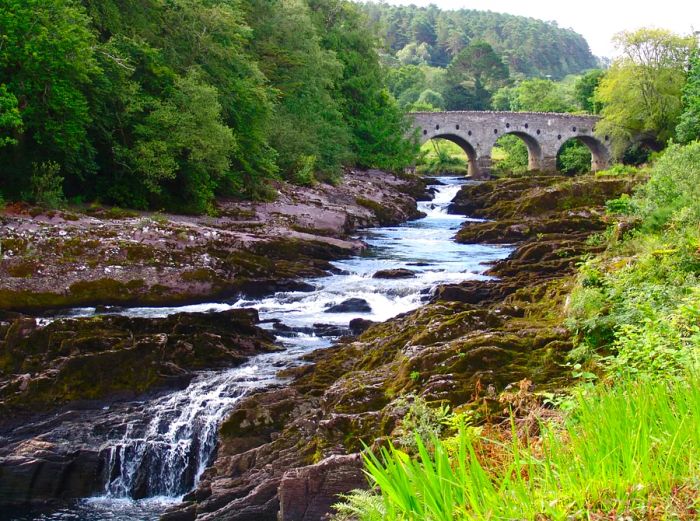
(548,164)
(483,168)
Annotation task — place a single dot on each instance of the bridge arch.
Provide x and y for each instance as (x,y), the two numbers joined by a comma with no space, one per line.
(600,155)
(535,154)
(472,167)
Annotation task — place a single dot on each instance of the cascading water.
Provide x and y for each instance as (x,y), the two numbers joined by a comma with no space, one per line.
(167,442)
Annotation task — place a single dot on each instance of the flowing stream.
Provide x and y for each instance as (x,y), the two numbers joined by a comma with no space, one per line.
(164,444)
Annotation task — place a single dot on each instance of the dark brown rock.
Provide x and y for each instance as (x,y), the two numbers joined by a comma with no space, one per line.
(351,305)
(398,273)
(307,493)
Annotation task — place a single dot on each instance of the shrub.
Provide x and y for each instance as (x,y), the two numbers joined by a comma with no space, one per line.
(574,158)
(47,185)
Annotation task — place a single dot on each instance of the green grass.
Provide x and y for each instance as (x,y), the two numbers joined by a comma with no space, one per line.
(439,156)
(631,450)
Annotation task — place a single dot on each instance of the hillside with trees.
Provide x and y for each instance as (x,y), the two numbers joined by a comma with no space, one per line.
(529,47)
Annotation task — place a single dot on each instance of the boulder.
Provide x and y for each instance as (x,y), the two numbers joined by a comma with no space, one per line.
(307,493)
(398,273)
(351,305)
(360,325)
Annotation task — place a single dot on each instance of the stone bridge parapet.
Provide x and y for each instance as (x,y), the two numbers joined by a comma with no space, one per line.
(544,133)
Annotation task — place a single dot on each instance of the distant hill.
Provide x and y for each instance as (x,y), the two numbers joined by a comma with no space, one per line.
(530,47)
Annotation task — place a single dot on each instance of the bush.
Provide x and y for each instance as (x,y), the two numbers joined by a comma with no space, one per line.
(673,188)
(303,174)
(633,302)
(624,450)
(574,158)
(47,185)
(510,157)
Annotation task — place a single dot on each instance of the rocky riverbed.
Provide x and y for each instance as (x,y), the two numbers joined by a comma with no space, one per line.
(285,451)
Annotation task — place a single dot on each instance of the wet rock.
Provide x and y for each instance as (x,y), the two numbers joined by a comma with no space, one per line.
(307,493)
(473,292)
(38,471)
(351,305)
(92,358)
(398,273)
(330,330)
(360,325)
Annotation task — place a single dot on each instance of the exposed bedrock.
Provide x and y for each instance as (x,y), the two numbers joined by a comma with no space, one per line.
(470,343)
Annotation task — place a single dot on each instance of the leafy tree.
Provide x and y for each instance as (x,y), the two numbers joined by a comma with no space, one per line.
(641,93)
(46,63)
(537,95)
(584,90)
(414,54)
(406,83)
(504,98)
(472,77)
(432,98)
(378,126)
(688,128)
(307,121)
(10,119)
(184,142)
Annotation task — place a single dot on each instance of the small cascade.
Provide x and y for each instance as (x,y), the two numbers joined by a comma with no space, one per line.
(165,453)
(437,207)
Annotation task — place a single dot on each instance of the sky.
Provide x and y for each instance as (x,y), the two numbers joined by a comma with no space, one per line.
(596,20)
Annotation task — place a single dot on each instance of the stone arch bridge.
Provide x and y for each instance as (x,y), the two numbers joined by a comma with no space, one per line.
(544,133)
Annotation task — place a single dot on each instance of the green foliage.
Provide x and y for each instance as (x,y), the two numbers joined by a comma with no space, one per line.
(574,158)
(439,157)
(641,93)
(303,174)
(537,95)
(10,119)
(672,195)
(624,450)
(47,185)
(530,48)
(167,104)
(473,76)
(420,420)
(307,119)
(635,301)
(688,128)
(47,61)
(584,90)
(617,169)
(510,156)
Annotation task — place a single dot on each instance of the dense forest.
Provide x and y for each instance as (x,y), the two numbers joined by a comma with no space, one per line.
(162,104)
(529,47)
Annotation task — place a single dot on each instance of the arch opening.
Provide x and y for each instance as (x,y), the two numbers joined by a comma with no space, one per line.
(581,154)
(515,153)
(448,153)
(639,151)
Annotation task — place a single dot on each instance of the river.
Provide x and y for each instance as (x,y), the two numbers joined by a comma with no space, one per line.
(160,451)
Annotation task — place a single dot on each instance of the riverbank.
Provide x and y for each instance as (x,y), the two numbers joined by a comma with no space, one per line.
(59,382)
(88,256)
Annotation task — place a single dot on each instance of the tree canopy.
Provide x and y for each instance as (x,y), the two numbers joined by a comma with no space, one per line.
(166,104)
(642,92)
